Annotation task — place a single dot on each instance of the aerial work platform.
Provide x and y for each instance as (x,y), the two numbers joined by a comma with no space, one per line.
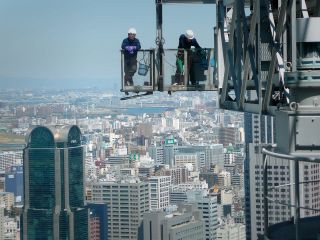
(184,70)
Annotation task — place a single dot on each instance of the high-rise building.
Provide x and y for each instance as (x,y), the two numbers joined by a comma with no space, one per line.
(260,130)
(14,182)
(127,200)
(159,192)
(6,200)
(257,130)
(182,159)
(178,174)
(186,223)
(156,153)
(208,206)
(227,135)
(206,155)
(163,154)
(145,171)
(231,231)
(54,184)
(278,174)
(210,177)
(98,221)
(1,223)
(9,158)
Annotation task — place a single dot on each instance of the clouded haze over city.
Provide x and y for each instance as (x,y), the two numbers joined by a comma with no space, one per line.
(76,43)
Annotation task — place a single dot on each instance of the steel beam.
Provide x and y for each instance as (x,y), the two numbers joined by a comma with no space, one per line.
(189,1)
(249,58)
(279,30)
(227,52)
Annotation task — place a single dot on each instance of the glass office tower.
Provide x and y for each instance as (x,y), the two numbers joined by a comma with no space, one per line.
(53,162)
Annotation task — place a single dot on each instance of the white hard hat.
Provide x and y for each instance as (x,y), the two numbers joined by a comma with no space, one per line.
(132,31)
(189,34)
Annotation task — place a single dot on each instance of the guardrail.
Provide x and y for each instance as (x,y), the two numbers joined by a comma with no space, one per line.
(296,206)
(183,70)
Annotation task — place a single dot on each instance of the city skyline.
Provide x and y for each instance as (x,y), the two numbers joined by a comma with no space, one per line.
(119,168)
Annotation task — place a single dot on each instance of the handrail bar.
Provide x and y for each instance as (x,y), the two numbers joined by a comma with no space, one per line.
(291,157)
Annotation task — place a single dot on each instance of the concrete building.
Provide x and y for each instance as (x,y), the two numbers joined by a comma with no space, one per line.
(278,174)
(227,135)
(14,182)
(186,224)
(98,221)
(178,174)
(224,179)
(206,155)
(1,223)
(208,206)
(11,228)
(10,158)
(127,172)
(182,159)
(146,172)
(156,153)
(210,177)
(118,160)
(159,192)
(178,193)
(127,200)
(6,200)
(231,231)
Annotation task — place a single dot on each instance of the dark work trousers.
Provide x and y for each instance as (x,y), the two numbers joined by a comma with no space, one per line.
(180,63)
(130,68)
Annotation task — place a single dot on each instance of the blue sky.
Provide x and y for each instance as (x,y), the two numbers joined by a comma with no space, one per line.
(47,43)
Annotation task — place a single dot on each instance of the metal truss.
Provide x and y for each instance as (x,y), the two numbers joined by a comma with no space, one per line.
(260,42)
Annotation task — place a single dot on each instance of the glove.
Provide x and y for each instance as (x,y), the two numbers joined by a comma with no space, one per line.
(131,49)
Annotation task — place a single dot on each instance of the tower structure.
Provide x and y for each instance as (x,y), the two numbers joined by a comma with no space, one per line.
(53,184)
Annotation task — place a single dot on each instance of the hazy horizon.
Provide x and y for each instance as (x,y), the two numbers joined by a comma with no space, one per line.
(39,83)
(47,44)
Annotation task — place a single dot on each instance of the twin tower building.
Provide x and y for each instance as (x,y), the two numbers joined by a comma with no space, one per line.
(54,185)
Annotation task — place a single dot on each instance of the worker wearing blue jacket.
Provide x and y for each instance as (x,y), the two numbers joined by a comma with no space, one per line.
(130,46)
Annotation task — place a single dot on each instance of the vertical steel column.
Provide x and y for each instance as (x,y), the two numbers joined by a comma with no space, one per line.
(294,36)
(297,198)
(239,46)
(258,54)
(265,194)
(159,42)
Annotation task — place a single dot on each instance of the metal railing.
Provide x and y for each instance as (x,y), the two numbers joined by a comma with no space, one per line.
(138,73)
(183,70)
(187,70)
(297,206)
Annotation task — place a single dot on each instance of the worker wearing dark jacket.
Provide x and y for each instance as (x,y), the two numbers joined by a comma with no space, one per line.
(130,46)
(186,41)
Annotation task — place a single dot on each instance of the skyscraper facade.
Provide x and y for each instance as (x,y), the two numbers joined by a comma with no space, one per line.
(127,200)
(256,132)
(159,192)
(98,221)
(14,182)
(261,130)
(208,206)
(54,184)
(187,223)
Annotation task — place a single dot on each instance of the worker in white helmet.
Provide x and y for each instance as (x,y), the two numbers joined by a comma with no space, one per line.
(186,41)
(130,46)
